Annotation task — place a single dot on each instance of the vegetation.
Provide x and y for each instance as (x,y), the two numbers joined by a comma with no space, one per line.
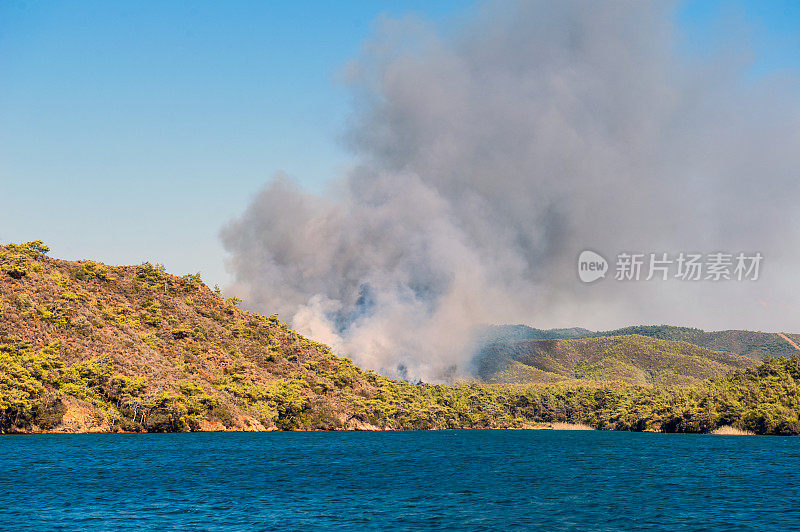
(90,270)
(89,347)
(17,259)
(632,359)
(753,344)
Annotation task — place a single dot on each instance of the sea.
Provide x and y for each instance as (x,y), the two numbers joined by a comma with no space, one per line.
(418,480)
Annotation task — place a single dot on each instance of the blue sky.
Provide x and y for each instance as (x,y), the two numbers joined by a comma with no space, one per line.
(132,131)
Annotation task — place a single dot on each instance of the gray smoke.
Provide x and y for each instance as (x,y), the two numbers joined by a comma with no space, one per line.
(490,158)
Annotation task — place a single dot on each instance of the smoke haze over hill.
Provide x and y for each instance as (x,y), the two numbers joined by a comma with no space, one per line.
(490,157)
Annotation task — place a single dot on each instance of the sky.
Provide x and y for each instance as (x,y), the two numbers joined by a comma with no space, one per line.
(133,131)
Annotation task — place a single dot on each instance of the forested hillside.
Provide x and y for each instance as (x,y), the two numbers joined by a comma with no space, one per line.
(753,344)
(631,359)
(90,347)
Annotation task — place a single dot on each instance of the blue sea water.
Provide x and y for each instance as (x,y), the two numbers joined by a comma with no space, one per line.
(459,480)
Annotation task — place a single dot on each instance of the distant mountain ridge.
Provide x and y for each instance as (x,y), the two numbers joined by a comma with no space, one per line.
(512,333)
(631,359)
(753,344)
(638,355)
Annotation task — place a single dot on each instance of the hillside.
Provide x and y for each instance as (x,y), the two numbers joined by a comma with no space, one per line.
(753,344)
(88,347)
(517,333)
(631,359)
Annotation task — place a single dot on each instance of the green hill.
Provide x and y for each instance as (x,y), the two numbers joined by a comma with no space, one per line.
(632,359)
(90,347)
(753,344)
(86,347)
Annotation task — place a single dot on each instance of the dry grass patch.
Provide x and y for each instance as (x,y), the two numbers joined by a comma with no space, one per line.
(570,426)
(727,430)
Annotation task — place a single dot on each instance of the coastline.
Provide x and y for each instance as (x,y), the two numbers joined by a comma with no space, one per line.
(555,426)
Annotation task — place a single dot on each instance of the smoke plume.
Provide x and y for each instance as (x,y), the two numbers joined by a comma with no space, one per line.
(491,155)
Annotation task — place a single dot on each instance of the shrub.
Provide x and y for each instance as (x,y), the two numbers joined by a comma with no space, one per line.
(90,270)
(59,279)
(154,276)
(121,315)
(37,246)
(240,331)
(232,304)
(193,278)
(53,313)
(15,265)
(186,331)
(16,262)
(153,314)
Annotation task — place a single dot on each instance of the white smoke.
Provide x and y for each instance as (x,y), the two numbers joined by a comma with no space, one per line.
(489,159)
